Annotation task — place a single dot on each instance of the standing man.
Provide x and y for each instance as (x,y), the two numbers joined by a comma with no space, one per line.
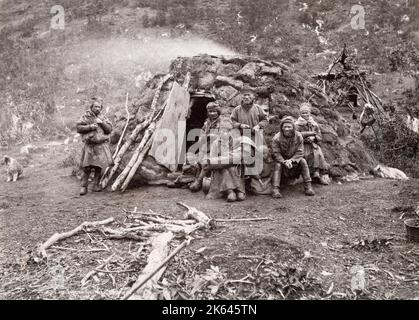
(96,155)
(288,154)
(248,115)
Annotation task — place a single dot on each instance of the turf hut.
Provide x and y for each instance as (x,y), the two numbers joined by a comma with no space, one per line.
(177,101)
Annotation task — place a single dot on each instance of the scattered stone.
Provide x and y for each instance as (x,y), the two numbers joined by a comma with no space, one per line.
(248,72)
(228,81)
(271,70)
(226,93)
(206,81)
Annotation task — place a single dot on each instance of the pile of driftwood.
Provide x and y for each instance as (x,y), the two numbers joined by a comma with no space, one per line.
(150,228)
(147,128)
(344,82)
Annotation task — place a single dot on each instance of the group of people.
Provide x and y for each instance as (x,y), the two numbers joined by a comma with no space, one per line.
(294,151)
(228,148)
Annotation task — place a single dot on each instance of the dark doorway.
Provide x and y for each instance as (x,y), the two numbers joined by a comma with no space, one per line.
(198,114)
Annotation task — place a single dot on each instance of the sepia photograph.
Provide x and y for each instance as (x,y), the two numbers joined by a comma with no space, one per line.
(228,152)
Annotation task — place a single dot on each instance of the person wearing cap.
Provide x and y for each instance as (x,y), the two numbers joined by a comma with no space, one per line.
(96,156)
(249,115)
(210,127)
(288,154)
(310,130)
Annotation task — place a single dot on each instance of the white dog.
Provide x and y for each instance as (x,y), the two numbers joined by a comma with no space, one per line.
(389,173)
(13,168)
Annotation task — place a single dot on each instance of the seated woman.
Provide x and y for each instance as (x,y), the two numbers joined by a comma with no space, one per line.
(225,165)
(211,127)
(311,133)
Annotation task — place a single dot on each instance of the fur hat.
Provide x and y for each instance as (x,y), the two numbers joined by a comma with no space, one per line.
(98,100)
(287,119)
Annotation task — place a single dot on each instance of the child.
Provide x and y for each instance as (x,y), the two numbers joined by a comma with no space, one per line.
(311,133)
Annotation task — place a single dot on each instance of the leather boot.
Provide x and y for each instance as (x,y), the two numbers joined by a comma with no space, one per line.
(83,182)
(240,196)
(308,189)
(231,196)
(325,180)
(196,185)
(276,194)
(96,181)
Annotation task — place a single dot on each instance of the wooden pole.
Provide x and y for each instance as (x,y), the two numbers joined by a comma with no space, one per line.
(125,128)
(151,274)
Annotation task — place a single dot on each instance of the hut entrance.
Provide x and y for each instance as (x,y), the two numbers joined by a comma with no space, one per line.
(198,113)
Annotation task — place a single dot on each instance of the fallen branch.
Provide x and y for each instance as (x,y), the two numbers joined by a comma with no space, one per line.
(78,250)
(60,236)
(139,215)
(157,219)
(197,215)
(123,234)
(242,220)
(114,271)
(151,270)
(93,272)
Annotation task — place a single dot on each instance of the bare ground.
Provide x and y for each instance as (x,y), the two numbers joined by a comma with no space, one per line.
(317,239)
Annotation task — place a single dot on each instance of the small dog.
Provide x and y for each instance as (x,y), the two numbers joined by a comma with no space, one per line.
(13,169)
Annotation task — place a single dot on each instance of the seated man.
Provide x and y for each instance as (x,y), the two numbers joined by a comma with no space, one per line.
(262,183)
(313,154)
(288,154)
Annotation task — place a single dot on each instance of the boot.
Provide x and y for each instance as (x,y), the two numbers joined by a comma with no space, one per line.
(308,189)
(324,179)
(196,185)
(276,194)
(231,196)
(240,196)
(84,182)
(83,191)
(96,181)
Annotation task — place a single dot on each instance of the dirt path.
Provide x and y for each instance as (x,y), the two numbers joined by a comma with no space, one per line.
(320,230)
